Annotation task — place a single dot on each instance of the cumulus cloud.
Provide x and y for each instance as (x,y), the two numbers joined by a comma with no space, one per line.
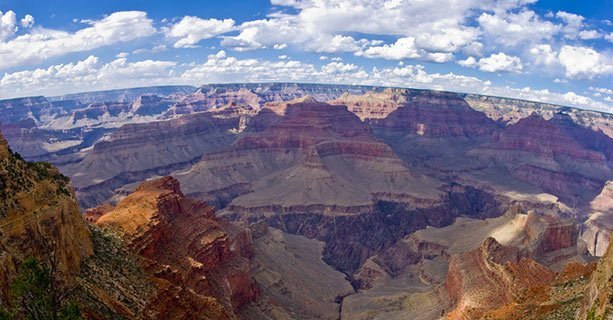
(27,21)
(601,90)
(543,54)
(43,44)
(468,62)
(513,29)
(191,30)
(589,34)
(327,25)
(576,99)
(338,67)
(403,48)
(86,75)
(584,62)
(500,62)
(8,25)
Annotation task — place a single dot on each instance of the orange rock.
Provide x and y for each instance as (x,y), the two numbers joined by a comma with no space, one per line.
(184,243)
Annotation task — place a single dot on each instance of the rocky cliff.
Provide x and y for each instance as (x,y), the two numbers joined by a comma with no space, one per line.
(39,217)
(183,243)
(598,301)
(547,154)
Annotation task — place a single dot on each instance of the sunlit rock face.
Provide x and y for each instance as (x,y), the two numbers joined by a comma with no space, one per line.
(185,243)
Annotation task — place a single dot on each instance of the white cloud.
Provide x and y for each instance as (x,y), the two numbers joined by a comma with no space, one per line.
(571,19)
(511,29)
(576,99)
(191,30)
(601,90)
(543,54)
(447,40)
(27,21)
(86,75)
(338,67)
(584,62)
(589,35)
(500,62)
(331,44)
(438,57)
(156,49)
(8,25)
(403,48)
(326,25)
(473,49)
(609,37)
(469,62)
(42,44)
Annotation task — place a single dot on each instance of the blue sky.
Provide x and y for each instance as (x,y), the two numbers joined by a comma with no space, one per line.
(545,50)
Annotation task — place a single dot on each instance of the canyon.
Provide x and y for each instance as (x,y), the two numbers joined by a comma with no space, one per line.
(301,201)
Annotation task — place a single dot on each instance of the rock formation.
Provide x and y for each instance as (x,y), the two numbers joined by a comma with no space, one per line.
(598,301)
(546,155)
(39,217)
(184,243)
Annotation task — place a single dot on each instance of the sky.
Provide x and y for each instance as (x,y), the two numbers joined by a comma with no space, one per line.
(543,50)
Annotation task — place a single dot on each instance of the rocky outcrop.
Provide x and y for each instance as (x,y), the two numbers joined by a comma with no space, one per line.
(489,278)
(373,105)
(596,230)
(184,243)
(598,300)
(39,217)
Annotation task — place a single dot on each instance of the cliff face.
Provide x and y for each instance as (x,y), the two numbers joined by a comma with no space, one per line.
(551,155)
(489,277)
(183,243)
(39,217)
(598,300)
(137,151)
(596,230)
(436,115)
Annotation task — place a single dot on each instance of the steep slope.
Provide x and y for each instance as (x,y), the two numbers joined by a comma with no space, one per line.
(303,286)
(598,301)
(184,243)
(489,277)
(39,217)
(546,155)
(596,230)
(509,111)
(139,151)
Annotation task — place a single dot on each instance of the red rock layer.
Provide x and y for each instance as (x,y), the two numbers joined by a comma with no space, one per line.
(184,242)
(489,277)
